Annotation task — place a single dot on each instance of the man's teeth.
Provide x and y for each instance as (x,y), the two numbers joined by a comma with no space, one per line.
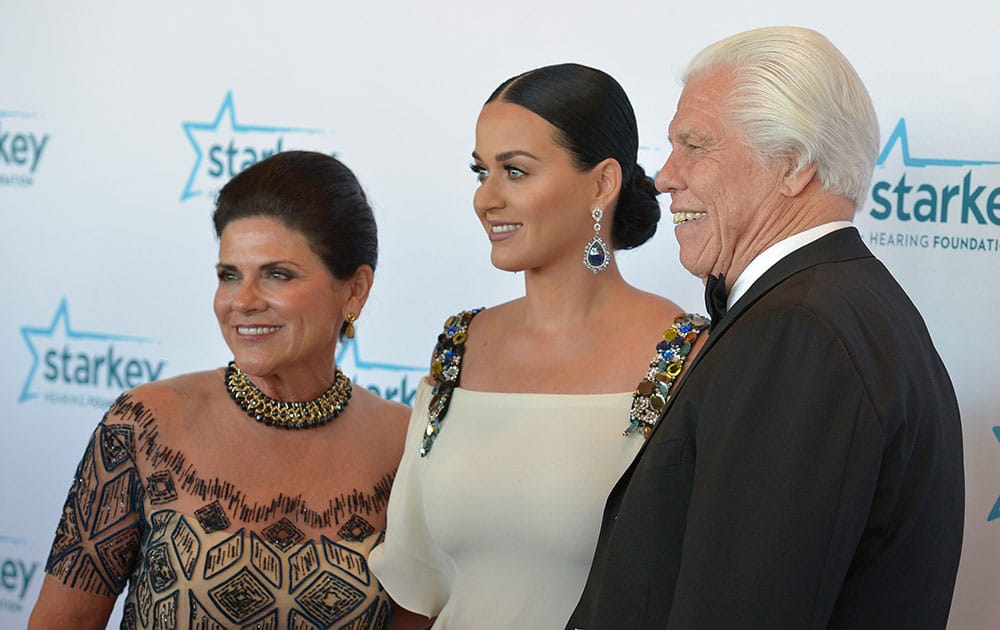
(255,330)
(683,217)
(505,227)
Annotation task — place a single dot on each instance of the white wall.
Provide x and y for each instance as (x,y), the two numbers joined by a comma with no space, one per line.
(107,250)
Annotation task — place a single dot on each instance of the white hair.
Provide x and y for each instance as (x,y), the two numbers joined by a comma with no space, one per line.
(796,95)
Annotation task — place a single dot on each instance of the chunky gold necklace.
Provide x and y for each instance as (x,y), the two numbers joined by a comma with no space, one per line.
(288,415)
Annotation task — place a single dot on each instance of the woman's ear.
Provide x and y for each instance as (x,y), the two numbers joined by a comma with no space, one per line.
(608,177)
(359,285)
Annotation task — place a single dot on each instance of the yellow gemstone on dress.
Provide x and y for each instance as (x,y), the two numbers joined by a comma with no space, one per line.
(674,369)
(657,402)
(459,337)
(436,366)
(669,334)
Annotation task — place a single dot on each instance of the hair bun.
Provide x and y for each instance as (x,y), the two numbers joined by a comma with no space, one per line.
(638,211)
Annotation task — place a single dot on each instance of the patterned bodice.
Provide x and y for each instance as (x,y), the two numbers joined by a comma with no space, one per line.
(227,563)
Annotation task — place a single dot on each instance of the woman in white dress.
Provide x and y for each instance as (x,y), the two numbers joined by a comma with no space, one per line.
(535,407)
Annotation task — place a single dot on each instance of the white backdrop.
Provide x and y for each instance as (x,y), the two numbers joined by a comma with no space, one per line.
(119,120)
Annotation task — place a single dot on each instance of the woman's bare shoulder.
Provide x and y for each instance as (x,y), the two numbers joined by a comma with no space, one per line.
(384,415)
(656,304)
(177,396)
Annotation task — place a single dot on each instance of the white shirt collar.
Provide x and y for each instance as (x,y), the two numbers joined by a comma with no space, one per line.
(770,256)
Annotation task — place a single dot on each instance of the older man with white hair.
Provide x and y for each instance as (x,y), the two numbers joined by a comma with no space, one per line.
(807,471)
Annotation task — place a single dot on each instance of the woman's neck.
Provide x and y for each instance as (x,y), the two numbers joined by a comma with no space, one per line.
(567,298)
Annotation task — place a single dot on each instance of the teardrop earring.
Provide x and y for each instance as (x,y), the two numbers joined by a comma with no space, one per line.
(596,255)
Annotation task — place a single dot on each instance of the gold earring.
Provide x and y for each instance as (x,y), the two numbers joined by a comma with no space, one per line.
(349,329)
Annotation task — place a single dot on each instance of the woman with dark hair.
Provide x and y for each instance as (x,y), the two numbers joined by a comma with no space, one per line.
(246,496)
(535,407)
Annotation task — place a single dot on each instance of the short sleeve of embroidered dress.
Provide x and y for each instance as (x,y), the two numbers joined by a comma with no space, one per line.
(97,539)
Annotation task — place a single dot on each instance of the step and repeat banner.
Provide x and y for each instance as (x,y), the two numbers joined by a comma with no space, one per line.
(119,122)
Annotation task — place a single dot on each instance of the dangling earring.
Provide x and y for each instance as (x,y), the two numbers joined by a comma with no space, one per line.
(349,328)
(596,255)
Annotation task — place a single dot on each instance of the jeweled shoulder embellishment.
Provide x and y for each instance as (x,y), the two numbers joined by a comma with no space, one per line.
(446,366)
(651,395)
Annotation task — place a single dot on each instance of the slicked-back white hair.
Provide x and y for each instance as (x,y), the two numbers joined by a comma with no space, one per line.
(797,95)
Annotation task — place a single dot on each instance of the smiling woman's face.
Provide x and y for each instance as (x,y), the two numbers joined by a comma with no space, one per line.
(278,306)
(533,201)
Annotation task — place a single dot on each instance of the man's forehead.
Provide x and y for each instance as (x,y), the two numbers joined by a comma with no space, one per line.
(691,123)
(700,107)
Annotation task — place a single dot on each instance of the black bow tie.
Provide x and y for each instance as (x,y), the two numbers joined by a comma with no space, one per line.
(716,295)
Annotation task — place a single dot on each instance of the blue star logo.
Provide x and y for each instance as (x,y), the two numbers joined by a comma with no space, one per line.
(995,512)
(350,355)
(392,381)
(228,114)
(900,137)
(59,328)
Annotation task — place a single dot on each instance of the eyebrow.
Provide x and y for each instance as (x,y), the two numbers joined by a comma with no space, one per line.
(506,155)
(267,265)
(685,135)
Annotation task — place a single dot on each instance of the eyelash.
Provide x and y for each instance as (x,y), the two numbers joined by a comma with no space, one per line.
(280,274)
(479,171)
(225,275)
(482,173)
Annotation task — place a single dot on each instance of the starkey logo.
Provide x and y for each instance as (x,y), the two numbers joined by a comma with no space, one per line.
(17,574)
(391,381)
(934,202)
(87,369)
(21,148)
(223,147)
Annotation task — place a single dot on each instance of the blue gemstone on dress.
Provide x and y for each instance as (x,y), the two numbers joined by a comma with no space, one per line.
(685,328)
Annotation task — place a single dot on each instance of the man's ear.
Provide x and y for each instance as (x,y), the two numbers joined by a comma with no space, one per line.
(795,180)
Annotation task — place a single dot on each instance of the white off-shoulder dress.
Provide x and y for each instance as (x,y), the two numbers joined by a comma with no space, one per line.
(496,527)
(496,508)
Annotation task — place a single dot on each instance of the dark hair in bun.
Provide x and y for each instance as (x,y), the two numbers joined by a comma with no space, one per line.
(595,121)
(638,224)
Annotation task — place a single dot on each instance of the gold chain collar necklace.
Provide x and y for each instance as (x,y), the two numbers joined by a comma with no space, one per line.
(288,415)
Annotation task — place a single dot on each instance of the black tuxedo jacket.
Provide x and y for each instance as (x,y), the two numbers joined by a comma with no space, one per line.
(807,472)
